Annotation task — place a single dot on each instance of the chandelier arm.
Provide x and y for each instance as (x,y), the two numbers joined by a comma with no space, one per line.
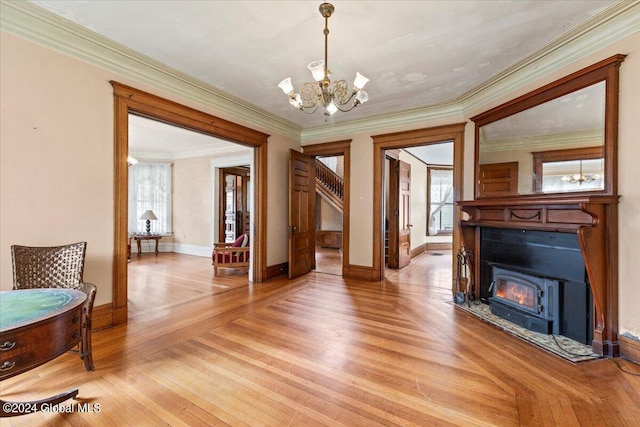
(355,104)
(305,109)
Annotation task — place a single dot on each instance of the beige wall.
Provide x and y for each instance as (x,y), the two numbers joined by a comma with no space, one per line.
(192,202)
(418,190)
(56,157)
(329,218)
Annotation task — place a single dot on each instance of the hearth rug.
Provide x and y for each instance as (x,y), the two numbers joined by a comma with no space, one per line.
(559,345)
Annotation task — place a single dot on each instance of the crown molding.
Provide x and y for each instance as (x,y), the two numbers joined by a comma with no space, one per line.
(44,28)
(212,151)
(400,120)
(615,23)
(35,24)
(565,140)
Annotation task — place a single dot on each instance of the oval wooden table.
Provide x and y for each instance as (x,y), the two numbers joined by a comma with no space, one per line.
(36,326)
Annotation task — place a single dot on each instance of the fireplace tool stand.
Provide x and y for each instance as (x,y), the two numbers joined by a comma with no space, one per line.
(464,278)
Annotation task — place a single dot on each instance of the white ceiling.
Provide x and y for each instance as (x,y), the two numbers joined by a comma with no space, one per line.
(416,53)
(154,140)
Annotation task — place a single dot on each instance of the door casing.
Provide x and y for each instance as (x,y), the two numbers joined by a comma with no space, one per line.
(128,100)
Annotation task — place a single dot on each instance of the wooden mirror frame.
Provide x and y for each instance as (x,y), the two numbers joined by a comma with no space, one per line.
(607,71)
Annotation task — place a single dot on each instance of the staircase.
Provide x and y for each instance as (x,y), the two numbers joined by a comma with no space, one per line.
(329,185)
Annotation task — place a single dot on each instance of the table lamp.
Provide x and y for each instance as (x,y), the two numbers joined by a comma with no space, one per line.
(148,215)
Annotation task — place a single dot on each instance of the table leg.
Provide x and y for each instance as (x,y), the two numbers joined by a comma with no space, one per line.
(14,409)
(157,240)
(139,247)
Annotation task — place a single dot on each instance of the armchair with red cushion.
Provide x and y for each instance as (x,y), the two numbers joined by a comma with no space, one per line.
(231,255)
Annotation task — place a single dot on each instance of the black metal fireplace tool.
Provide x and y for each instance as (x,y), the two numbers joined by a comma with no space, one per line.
(465,285)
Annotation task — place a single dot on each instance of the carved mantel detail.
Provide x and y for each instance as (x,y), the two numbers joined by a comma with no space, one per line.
(593,218)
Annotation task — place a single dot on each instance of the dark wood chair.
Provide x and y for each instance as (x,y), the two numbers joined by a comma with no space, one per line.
(57,267)
(231,255)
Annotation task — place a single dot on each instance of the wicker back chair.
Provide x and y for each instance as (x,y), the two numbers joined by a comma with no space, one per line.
(57,267)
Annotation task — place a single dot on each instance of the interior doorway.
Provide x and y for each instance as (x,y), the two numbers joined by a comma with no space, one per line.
(331,201)
(386,144)
(234,202)
(418,200)
(329,214)
(172,175)
(127,101)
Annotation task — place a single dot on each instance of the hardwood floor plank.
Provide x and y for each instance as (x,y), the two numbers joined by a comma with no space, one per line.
(319,351)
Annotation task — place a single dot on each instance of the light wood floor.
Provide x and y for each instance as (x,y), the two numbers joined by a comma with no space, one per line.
(320,350)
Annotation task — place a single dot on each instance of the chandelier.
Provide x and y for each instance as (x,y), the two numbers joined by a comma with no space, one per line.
(332,97)
(579,178)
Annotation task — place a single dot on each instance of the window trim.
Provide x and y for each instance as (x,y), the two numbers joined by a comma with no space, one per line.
(429,169)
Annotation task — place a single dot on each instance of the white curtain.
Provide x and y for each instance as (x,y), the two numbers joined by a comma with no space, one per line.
(150,186)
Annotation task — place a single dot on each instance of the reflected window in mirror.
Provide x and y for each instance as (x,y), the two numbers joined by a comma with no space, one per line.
(572,175)
(571,170)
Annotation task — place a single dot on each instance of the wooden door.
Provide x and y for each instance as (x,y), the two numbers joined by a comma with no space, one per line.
(404,214)
(302,212)
(399,214)
(498,179)
(392,200)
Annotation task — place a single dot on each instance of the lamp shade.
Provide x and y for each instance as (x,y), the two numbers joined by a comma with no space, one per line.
(360,81)
(286,85)
(317,70)
(148,214)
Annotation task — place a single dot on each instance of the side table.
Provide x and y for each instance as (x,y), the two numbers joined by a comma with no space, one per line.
(140,237)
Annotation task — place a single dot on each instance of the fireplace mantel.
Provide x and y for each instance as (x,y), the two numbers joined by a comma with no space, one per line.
(594,218)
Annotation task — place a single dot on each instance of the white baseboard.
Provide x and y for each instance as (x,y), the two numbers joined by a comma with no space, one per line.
(181,248)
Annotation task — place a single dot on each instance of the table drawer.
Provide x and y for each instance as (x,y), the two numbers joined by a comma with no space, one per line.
(27,347)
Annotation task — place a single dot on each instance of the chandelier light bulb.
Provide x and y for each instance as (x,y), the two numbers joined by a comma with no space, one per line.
(362,97)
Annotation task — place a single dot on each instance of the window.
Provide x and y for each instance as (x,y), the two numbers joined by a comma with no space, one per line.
(440,200)
(150,188)
(573,169)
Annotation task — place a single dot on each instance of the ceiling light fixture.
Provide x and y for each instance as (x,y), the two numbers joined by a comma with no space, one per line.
(332,97)
(579,178)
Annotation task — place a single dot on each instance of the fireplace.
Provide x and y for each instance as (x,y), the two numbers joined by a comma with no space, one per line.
(548,270)
(528,300)
(571,237)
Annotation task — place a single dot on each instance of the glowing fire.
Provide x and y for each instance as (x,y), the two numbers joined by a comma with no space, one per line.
(516,292)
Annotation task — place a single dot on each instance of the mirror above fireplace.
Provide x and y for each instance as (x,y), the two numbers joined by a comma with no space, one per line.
(560,138)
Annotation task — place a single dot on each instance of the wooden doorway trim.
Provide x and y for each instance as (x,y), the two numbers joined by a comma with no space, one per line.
(338,148)
(412,138)
(128,100)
